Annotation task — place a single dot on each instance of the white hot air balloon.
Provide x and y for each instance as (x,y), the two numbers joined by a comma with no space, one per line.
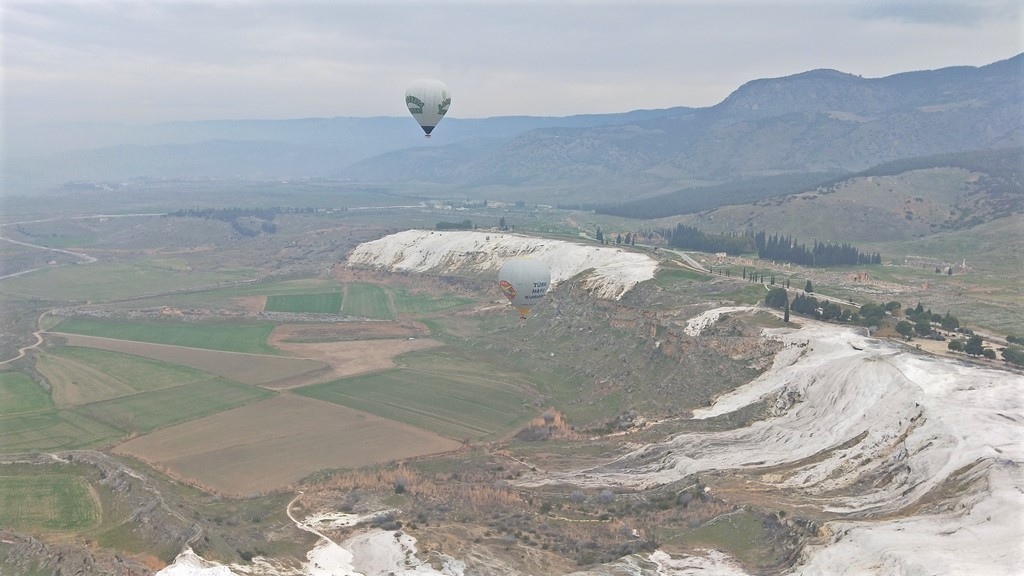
(428,102)
(524,281)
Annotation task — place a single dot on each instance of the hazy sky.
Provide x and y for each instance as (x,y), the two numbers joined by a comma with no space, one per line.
(162,60)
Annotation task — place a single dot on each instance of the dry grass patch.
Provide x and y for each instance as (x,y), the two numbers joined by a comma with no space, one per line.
(352,357)
(313,333)
(272,444)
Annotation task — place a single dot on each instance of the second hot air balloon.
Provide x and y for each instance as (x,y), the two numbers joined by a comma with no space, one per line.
(524,281)
(428,102)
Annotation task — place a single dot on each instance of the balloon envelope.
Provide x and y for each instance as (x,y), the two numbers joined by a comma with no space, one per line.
(428,102)
(524,281)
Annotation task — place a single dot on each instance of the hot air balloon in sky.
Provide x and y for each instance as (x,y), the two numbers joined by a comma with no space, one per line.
(524,281)
(428,102)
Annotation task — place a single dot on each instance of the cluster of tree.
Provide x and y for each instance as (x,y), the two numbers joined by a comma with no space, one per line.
(229,214)
(464,225)
(808,305)
(870,314)
(235,216)
(920,314)
(918,322)
(775,247)
(755,276)
(786,249)
(629,239)
(1014,354)
(266,227)
(777,298)
(974,346)
(690,238)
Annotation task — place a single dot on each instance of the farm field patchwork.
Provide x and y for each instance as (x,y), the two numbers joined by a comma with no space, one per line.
(149,411)
(238,366)
(47,502)
(248,291)
(270,445)
(82,375)
(53,430)
(250,338)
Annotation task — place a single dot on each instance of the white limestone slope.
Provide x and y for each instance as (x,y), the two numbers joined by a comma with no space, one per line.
(611,272)
(887,430)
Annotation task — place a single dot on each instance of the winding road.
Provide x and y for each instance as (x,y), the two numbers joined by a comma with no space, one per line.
(39,340)
(84,258)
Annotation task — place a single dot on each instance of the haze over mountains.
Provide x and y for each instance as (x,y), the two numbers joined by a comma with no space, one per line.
(821,123)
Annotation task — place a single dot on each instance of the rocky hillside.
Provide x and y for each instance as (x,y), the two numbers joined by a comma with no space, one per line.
(820,121)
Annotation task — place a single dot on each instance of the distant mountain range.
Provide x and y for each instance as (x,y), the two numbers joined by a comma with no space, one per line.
(817,125)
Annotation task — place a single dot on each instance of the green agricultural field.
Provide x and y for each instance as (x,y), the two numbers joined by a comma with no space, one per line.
(105,281)
(419,303)
(19,393)
(437,393)
(367,301)
(229,296)
(669,277)
(53,430)
(146,412)
(329,303)
(251,338)
(83,375)
(54,502)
